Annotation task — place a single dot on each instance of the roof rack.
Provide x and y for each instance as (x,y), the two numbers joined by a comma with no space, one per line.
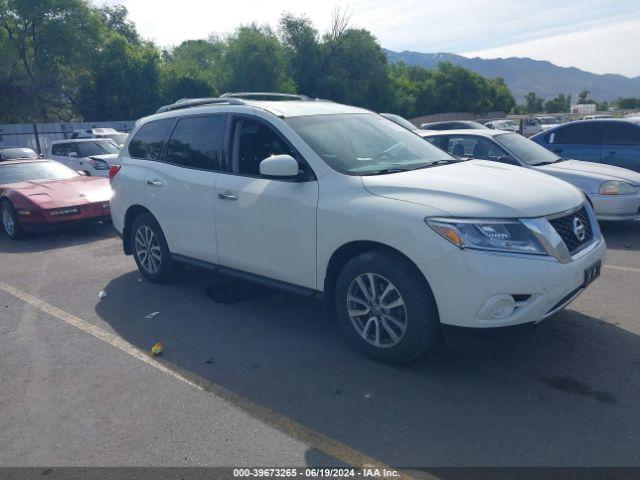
(265,96)
(196,102)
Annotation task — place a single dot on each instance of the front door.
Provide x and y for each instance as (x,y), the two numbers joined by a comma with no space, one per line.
(266,226)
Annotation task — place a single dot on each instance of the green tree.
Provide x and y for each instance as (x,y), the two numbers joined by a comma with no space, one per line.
(114,17)
(302,51)
(559,104)
(255,61)
(628,103)
(583,97)
(124,81)
(49,44)
(192,70)
(533,103)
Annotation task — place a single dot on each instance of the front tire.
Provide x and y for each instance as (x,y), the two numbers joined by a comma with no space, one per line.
(386,308)
(10,222)
(150,249)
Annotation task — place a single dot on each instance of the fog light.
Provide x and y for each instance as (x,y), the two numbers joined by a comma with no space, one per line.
(501,307)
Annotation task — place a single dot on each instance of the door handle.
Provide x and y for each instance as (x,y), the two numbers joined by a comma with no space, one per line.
(227,196)
(155,182)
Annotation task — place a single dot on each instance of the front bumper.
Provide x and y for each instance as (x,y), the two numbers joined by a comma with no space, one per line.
(42,219)
(464,281)
(616,207)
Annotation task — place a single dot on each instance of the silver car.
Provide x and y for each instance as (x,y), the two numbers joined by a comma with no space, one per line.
(614,192)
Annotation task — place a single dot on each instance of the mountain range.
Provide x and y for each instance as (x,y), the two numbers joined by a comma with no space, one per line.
(524,75)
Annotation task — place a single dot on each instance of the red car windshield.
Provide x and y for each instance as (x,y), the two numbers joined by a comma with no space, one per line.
(30,171)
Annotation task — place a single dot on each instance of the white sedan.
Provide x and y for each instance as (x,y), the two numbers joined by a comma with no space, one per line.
(614,192)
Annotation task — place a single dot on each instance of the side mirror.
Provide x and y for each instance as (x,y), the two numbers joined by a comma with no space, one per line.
(73,154)
(282,166)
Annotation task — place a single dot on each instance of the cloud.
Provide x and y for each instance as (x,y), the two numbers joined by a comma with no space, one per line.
(613,48)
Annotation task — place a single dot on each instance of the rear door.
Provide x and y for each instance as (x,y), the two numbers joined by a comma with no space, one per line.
(181,185)
(621,144)
(579,141)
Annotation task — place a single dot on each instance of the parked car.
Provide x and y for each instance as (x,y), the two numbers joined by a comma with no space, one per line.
(327,199)
(613,142)
(597,117)
(16,153)
(42,194)
(613,192)
(105,133)
(91,156)
(531,125)
(451,125)
(502,124)
(403,122)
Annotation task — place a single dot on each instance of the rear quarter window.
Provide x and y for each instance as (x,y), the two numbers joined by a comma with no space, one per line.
(148,141)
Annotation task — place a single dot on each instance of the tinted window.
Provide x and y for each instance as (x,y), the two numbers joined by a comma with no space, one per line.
(147,144)
(582,133)
(86,149)
(254,142)
(526,150)
(196,142)
(620,133)
(60,149)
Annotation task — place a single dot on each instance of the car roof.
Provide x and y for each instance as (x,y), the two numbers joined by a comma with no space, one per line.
(80,140)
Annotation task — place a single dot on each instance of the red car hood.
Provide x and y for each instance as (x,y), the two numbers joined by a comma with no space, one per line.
(63,193)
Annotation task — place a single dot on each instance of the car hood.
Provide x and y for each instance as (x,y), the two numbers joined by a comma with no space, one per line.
(54,193)
(479,188)
(597,171)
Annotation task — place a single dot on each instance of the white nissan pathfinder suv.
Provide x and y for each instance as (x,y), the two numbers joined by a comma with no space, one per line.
(322,198)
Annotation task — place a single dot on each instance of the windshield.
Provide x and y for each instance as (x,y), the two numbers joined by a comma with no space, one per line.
(119,138)
(361,144)
(526,150)
(506,124)
(86,149)
(30,171)
(549,120)
(15,153)
(403,122)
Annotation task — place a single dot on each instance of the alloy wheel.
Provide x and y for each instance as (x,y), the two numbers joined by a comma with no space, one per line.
(7,219)
(377,310)
(148,249)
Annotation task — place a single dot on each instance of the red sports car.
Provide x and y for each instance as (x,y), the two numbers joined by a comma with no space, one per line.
(41,194)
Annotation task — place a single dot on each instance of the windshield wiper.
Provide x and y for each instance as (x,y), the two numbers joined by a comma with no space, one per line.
(382,171)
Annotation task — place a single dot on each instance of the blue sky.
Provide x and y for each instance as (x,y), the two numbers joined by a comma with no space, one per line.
(594,35)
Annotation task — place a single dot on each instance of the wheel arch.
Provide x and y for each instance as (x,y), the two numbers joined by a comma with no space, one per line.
(346,252)
(131,214)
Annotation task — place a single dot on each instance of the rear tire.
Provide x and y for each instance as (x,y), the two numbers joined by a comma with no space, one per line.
(386,307)
(150,249)
(10,222)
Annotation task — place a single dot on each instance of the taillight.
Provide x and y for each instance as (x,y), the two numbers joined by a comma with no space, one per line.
(113,170)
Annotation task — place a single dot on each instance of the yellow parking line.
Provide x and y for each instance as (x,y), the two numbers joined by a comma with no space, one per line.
(624,269)
(280,422)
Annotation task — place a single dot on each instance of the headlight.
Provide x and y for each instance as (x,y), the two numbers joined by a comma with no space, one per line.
(494,235)
(614,187)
